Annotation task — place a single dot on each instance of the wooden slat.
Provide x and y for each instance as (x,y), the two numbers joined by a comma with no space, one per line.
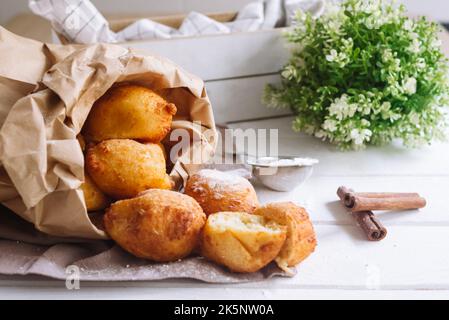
(132,292)
(239,99)
(410,258)
(223,56)
(174,21)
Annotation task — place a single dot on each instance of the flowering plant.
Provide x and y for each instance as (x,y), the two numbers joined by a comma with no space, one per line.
(364,73)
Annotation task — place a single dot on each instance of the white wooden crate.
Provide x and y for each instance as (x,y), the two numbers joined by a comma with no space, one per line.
(236,67)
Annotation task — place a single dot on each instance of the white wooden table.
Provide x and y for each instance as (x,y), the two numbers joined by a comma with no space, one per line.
(412,262)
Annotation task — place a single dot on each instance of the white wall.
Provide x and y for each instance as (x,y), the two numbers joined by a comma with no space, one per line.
(438,9)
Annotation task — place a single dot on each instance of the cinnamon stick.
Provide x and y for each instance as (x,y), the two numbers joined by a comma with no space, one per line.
(367,201)
(386,194)
(366,220)
(370,225)
(357,203)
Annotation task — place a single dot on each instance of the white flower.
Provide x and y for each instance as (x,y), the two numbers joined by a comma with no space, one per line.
(372,23)
(414,118)
(386,106)
(365,123)
(358,136)
(332,56)
(331,10)
(367,6)
(385,110)
(378,13)
(387,55)
(348,43)
(364,109)
(341,109)
(337,108)
(286,74)
(396,64)
(289,72)
(421,64)
(394,116)
(436,43)
(330,125)
(415,47)
(350,111)
(408,25)
(340,58)
(334,25)
(409,86)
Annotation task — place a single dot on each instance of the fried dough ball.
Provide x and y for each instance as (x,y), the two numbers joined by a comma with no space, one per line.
(129,112)
(301,240)
(159,225)
(218,191)
(164,151)
(241,241)
(123,168)
(94,198)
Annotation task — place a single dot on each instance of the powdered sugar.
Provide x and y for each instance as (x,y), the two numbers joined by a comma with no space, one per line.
(218,180)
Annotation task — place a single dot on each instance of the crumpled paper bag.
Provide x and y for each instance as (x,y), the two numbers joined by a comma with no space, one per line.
(46,93)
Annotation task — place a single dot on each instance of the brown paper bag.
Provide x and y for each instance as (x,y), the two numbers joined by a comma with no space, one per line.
(46,93)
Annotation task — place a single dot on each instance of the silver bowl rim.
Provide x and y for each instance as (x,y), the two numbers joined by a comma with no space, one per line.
(254,164)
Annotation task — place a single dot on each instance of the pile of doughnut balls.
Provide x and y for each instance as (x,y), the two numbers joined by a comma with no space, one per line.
(217,216)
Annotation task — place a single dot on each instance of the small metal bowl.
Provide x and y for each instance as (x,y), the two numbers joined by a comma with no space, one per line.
(282,174)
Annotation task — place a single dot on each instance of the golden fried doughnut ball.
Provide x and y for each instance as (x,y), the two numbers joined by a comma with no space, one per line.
(129,112)
(301,240)
(94,198)
(159,225)
(218,191)
(123,168)
(162,148)
(241,241)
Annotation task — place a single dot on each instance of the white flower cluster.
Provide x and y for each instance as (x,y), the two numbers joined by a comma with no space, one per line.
(341,58)
(349,116)
(341,113)
(333,18)
(392,72)
(377,13)
(416,45)
(409,86)
(359,136)
(386,113)
(342,109)
(364,73)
